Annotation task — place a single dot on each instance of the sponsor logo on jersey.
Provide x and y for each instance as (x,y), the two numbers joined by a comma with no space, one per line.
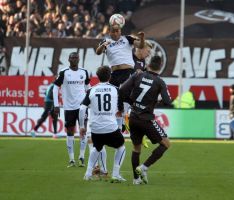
(75,82)
(117,43)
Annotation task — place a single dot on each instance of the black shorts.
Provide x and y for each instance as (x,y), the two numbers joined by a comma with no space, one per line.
(120,76)
(150,128)
(114,139)
(71,116)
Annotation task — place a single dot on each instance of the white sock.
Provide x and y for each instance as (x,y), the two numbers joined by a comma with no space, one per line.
(144,167)
(119,157)
(83,143)
(90,147)
(70,147)
(102,160)
(92,160)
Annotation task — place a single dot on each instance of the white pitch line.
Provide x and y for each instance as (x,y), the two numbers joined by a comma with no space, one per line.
(126,139)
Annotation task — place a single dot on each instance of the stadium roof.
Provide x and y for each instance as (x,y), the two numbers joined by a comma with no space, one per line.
(203,19)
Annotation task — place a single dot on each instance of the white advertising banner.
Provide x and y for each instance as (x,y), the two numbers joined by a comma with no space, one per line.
(222,124)
(12,122)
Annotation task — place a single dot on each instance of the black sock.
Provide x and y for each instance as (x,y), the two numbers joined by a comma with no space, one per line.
(36,127)
(135,162)
(55,126)
(156,154)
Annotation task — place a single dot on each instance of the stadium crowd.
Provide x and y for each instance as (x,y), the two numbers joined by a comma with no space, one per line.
(64,18)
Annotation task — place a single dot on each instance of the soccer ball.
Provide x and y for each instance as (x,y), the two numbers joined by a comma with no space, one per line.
(117,20)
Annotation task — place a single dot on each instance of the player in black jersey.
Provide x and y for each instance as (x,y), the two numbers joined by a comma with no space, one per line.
(141,91)
(139,56)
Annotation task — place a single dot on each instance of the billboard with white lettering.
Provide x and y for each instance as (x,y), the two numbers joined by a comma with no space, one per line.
(203,58)
(208,64)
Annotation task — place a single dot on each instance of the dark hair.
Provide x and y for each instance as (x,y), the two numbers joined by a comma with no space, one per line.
(103,73)
(73,54)
(155,63)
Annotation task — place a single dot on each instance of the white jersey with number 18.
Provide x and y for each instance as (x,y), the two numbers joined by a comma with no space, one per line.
(102,100)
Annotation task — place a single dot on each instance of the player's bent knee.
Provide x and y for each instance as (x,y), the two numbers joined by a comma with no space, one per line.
(70,131)
(166,142)
(137,148)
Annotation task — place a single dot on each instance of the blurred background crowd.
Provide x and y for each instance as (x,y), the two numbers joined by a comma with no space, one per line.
(89,18)
(64,18)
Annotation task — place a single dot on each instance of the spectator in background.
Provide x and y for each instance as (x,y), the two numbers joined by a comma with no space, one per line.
(92,31)
(104,32)
(36,24)
(110,10)
(85,12)
(48,110)
(68,25)
(2,34)
(18,6)
(78,30)
(231,111)
(187,101)
(61,30)
(100,22)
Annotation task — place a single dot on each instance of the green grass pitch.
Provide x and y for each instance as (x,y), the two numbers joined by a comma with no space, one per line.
(35,169)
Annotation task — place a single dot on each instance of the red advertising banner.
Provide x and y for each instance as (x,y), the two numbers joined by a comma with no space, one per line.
(207,92)
(12,90)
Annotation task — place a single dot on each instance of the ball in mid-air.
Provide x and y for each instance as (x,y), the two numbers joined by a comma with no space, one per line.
(117,20)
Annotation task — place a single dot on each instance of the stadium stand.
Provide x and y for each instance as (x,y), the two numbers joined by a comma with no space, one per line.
(64,18)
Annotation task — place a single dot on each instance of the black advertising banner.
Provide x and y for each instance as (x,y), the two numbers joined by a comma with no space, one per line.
(208,64)
(202,58)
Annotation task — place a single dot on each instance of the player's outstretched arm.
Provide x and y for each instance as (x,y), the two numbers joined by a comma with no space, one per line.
(102,47)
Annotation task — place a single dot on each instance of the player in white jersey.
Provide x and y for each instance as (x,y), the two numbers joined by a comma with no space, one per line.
(74,82)
(118,49)
(102,99)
